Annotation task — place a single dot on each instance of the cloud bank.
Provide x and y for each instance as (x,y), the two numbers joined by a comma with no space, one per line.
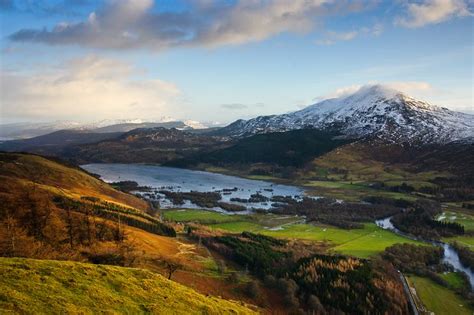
(140,24)
(87,88)
(129,24)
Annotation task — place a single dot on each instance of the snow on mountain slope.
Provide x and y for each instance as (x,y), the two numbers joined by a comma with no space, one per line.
(371,111)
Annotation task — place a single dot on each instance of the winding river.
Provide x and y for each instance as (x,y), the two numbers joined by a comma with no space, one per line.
(451,257)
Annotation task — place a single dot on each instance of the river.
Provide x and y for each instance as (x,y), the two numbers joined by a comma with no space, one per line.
(451,257)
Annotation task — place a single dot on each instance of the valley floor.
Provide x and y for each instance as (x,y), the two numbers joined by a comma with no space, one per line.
(361,243)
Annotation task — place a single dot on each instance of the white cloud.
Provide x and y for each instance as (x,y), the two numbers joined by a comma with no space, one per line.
(331,37)
(412,88)
(240,106)
(88,88)
(433,12)
(128,24)
(234,106)
(340,92)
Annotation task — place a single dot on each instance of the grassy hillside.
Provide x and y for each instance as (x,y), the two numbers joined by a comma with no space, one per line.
(361,169)
(23,169)
(55,211)
(44,287)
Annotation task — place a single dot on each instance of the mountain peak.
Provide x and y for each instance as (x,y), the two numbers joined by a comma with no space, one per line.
(372,111)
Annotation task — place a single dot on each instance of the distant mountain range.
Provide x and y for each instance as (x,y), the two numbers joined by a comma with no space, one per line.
(372,111)
(16,131)
(53,143)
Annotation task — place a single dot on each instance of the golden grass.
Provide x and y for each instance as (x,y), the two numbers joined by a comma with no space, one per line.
(58,178)
(30,286)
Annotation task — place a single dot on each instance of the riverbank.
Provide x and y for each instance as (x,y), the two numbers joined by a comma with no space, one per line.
(450,257)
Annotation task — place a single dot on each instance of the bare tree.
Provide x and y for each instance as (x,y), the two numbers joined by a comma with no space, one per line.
(172,267)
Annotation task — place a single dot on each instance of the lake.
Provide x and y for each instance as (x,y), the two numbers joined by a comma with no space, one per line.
(184,180)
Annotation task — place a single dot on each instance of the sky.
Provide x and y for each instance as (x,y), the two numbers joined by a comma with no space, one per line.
(218,61)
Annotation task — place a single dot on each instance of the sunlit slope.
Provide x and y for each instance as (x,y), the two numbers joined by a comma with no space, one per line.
(24,169)
(56,287)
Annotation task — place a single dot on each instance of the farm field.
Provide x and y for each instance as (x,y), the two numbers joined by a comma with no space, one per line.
(46,286)
(438,299)
(454,279)
(466,240)
(201,216)
(464,219)
(358,242)
(350,192)
(459,217)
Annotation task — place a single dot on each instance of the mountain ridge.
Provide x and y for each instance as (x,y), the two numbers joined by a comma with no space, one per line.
(20,131)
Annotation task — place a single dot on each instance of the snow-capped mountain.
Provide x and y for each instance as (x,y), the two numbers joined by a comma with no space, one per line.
(375,111)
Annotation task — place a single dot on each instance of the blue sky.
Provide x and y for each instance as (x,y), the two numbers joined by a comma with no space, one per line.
(207,60)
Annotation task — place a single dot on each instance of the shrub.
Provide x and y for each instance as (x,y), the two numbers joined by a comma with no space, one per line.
(252,289)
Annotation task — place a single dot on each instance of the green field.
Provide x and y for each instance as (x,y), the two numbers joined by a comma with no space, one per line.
(459,217)
(454,279)
(30,286)
(438,299)
(200,216)
(466,240)
(351,192)
(462,218)
(363,242)
(357,242)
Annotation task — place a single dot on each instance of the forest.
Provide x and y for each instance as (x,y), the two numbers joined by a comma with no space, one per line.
(310,282)
(419,221)
(341,214)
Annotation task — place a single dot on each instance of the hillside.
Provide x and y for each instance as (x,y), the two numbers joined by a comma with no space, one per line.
(149,145)
(292,148)
(21,170)
(43,287)
(18,131)
(55,142)
(361,168)
(372,111)
(51,210)
(54,211)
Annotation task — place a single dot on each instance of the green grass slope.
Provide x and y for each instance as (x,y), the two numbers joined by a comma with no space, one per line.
(57,287)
